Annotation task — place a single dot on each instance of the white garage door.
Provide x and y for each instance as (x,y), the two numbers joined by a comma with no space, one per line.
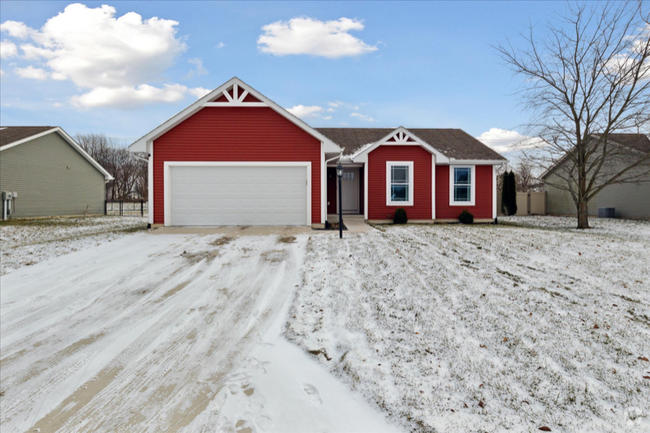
(238,195)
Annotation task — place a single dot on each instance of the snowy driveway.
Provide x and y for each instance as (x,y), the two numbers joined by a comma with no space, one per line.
(166,333)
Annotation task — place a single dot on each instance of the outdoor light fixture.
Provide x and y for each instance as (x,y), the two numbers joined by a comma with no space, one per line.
(339,173)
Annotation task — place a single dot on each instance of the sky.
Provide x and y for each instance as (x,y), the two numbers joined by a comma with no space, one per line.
(122,68)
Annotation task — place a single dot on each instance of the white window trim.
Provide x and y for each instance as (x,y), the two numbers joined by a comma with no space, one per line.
(472,202)
(390,164)
(167,178)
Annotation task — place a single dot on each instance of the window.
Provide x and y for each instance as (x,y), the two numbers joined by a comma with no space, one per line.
(462,186)
(399,183)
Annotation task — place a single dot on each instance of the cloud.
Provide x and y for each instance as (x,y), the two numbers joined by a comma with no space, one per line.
(327,117)
(505,140)
(199,69)
(337,104)
(198,92)
(8,49)
(128,97)
(363,117)
(306,35)
(220,45)
(304,112)
(113,57)
(32,73)
(16,29)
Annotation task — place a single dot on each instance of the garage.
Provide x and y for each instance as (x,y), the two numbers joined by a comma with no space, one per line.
(231,194)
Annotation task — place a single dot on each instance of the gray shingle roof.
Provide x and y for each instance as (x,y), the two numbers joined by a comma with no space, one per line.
(453,143)
(11,134)
(638,142)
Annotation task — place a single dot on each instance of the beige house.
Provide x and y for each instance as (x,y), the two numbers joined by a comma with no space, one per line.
(631,200)
(44,172)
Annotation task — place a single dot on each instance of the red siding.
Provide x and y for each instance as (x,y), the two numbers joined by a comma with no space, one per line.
(377,209)
(236,134)
(483,207)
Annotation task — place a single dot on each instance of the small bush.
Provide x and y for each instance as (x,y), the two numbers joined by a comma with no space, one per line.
(400,216)
(466,217)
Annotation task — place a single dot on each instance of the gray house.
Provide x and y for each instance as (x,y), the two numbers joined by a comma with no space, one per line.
(631,200)
(44,172)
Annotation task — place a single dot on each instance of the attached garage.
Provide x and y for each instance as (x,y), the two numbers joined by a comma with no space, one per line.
(236,158)
(238,193)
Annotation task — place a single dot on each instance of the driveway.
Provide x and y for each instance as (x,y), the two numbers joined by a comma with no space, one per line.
(164,333)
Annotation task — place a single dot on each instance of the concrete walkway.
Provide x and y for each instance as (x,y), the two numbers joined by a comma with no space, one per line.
(354,223)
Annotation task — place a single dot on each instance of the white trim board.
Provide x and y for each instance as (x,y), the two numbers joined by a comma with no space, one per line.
(401,135)
(472,202)
(410,201)
(167,178)
(204,102)
(70,141)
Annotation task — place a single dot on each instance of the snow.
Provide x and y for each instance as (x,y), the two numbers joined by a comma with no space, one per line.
(26,242)
(157,332)
(486,328)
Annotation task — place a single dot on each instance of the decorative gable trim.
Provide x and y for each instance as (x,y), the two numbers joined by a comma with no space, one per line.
(233,93)
(399,137)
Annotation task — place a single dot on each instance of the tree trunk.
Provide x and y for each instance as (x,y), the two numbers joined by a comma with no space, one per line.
(583,217)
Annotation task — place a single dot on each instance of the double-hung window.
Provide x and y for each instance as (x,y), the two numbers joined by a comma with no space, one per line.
(399,183)
(462,183)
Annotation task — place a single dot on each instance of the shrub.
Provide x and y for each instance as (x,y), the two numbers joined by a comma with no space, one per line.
(509,194)
(466,217)
(400,216)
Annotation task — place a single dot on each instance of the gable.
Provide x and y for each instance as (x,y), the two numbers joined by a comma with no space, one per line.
(234,93)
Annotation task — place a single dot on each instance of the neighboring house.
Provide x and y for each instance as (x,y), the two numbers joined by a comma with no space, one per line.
(631,200)
(235,157)
(49,172)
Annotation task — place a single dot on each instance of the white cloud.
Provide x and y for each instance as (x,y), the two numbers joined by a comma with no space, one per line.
(2,72)
(220,45)
(306,35)
(505,140)
(198,69)
(337,104)
(304,112)
(113,57)
(128,96)
(198,92)
(327,117)
(16,29)
(330,110)
(363,117)
(32,73)
(8,49)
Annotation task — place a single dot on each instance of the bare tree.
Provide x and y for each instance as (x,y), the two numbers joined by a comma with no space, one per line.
(586,78)
(524,176)
(130,174)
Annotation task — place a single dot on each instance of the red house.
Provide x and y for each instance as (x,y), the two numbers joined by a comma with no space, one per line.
(235,157)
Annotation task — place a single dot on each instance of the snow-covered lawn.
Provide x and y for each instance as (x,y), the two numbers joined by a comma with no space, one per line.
(486,328)
(162,332)
(25,242)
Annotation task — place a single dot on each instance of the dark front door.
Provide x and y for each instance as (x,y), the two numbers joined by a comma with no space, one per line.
(331,190)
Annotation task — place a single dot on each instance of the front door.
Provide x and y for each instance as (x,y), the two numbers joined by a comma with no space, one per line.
(332,190)
(350,187)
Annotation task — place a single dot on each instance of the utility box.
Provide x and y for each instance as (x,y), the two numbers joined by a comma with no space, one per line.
(7,195)
(606,212)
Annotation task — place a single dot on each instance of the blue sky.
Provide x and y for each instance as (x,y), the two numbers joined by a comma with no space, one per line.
(413,64)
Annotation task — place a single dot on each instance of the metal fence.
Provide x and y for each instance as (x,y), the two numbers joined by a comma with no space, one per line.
(126,208)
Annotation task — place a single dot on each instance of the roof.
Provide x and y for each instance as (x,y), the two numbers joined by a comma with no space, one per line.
(639,142)
(140,145)
(455,144)
(636,142)
(11,136)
